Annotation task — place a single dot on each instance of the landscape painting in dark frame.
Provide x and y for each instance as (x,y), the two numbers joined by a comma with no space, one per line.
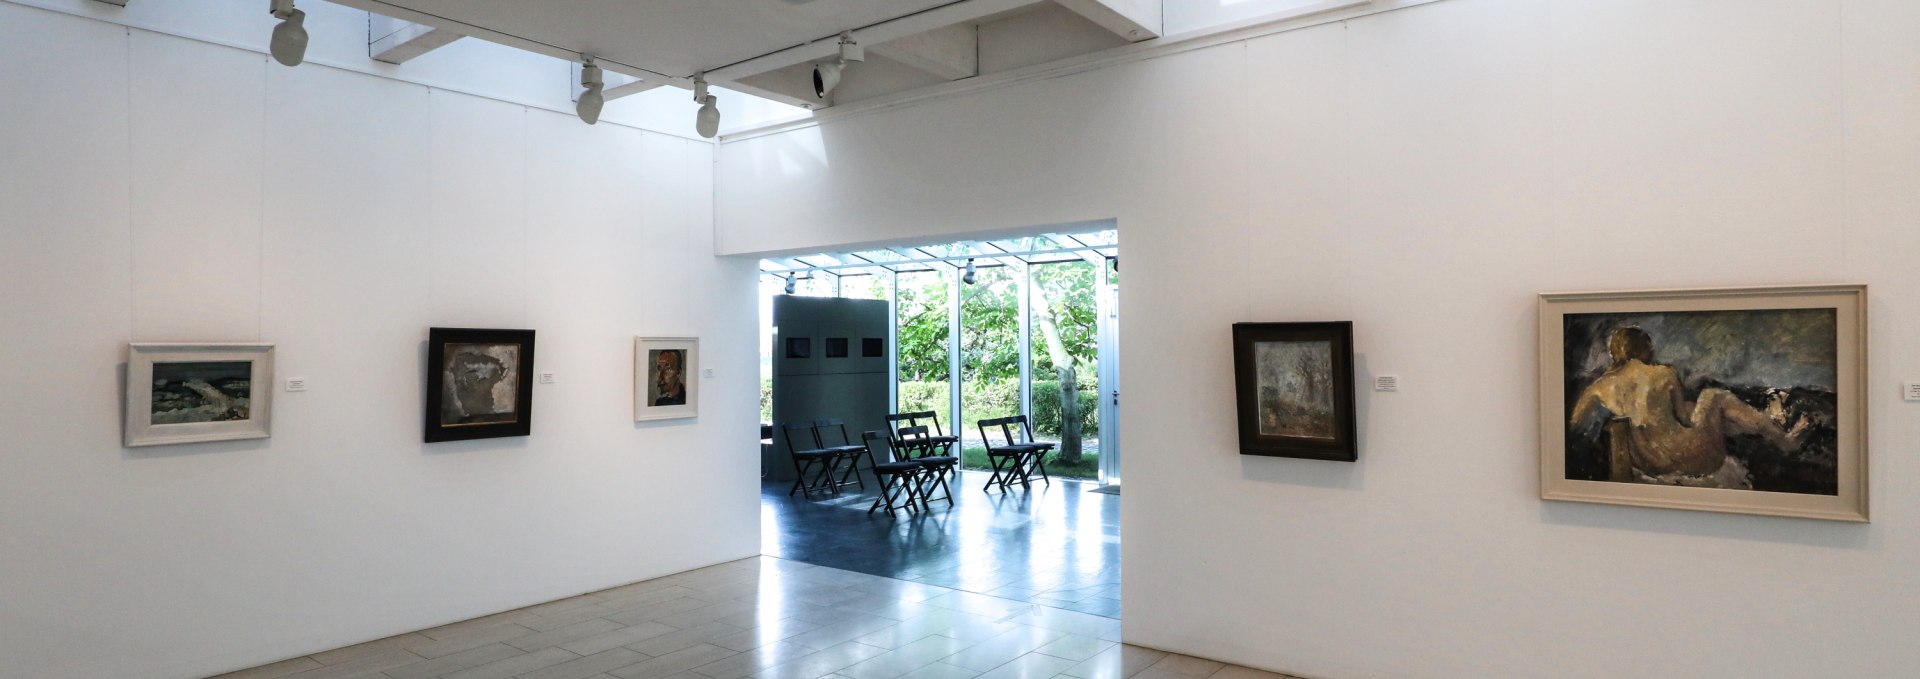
(1294,390)
(479,384)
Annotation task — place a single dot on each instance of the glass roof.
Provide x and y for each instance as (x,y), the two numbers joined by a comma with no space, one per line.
(1035,249)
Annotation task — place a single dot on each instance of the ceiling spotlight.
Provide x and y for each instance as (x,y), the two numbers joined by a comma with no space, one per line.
(594,98)
(969,278)
(289,44)
(707,122)
(791,283)
(826,76)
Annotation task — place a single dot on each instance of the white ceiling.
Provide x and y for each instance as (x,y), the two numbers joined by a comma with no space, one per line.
(671,37)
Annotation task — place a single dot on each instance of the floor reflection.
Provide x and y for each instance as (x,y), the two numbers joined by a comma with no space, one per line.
(1055,545)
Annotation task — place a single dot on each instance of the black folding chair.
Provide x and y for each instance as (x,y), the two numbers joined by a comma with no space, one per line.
(810,458)
(916,444)
(899,479)
(846,448)
(937,441)
(1018,456)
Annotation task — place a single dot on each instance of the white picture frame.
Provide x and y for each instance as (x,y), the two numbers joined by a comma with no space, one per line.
(199,392)
(1847,306)
(652,398)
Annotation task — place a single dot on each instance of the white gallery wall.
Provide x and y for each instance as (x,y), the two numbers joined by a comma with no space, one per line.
(154,188)
(1425,173)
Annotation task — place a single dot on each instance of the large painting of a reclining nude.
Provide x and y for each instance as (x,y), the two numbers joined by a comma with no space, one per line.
(1749,400)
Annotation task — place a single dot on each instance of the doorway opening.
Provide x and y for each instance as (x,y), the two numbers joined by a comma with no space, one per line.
(981,338)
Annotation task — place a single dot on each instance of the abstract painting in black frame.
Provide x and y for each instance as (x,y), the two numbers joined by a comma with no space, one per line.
(479,384)
(1294,389)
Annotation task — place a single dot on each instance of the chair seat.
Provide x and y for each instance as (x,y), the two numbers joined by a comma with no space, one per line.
(942,439)
(937,460)
(842,450)
(896,467)
(814,454)
(1018,449)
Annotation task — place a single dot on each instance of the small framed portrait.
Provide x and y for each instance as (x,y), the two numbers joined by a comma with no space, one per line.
(479,384)
(1294,385)
(193,393)
(1740,400)
(664,382)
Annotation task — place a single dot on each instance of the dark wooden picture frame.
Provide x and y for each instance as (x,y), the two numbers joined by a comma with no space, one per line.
(496,356)
(1297,427)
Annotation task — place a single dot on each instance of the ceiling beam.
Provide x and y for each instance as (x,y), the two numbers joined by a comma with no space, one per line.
(1135,20)
(394,41)
(792,86)
(617,84)
(827,47)
(119,3)
(385,9)
(951,53)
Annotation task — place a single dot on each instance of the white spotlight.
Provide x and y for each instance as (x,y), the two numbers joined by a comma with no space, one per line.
(707,122)
(289,44)
(826,76)
(969,278)
(791,283)
(592,100)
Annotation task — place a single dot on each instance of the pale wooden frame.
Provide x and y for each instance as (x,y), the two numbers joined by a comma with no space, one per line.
(140,429)
(642,411)
(1850,305)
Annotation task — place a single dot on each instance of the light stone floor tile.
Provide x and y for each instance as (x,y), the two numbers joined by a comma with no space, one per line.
(449,643)
(1188,665)
(516,665)
(573,632)
(674,663)
(1238,672)
(275,670)
(1075,647)
(1029,666)
(904,660)
(454,662)
(747,663)
(1117,662)
(362,666)
(587,666)
(767,617)
(620,637)
(821,663)
(375,647)
(686,638)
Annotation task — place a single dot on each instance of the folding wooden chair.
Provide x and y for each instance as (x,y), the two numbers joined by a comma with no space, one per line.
(808,457)
(899,479)
(846,448)
(915,443)
(1018,456)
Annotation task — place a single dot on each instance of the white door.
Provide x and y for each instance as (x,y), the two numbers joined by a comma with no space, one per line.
(1107,355)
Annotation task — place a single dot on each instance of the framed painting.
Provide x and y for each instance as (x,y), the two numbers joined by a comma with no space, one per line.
(664,387)
(479,384)
(193,393)
(1294,388)
(1743,400)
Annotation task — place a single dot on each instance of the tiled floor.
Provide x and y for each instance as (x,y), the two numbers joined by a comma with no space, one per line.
(762,617)
(1057,545)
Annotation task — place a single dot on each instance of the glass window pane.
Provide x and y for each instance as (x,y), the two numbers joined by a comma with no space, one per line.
(989,354)
(1066,388)
(922,347)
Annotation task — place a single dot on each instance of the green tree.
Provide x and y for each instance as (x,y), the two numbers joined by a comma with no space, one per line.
(1064,310)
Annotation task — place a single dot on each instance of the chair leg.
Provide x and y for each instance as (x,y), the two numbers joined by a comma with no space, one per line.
(885,496)
(823,481)
(1040,462)
(1000,473)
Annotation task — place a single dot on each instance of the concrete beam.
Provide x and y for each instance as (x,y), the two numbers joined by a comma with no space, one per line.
(1135,20)
(792,86)
(116,3)
(952,52)
(394,41)
(828,47)
(617,84)
(401,13)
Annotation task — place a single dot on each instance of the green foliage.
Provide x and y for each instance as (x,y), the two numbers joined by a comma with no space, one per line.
(923,327)
(1088,467)
(1046,409)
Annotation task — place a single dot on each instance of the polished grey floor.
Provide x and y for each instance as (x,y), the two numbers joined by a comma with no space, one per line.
(762,617)
(1055,544)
